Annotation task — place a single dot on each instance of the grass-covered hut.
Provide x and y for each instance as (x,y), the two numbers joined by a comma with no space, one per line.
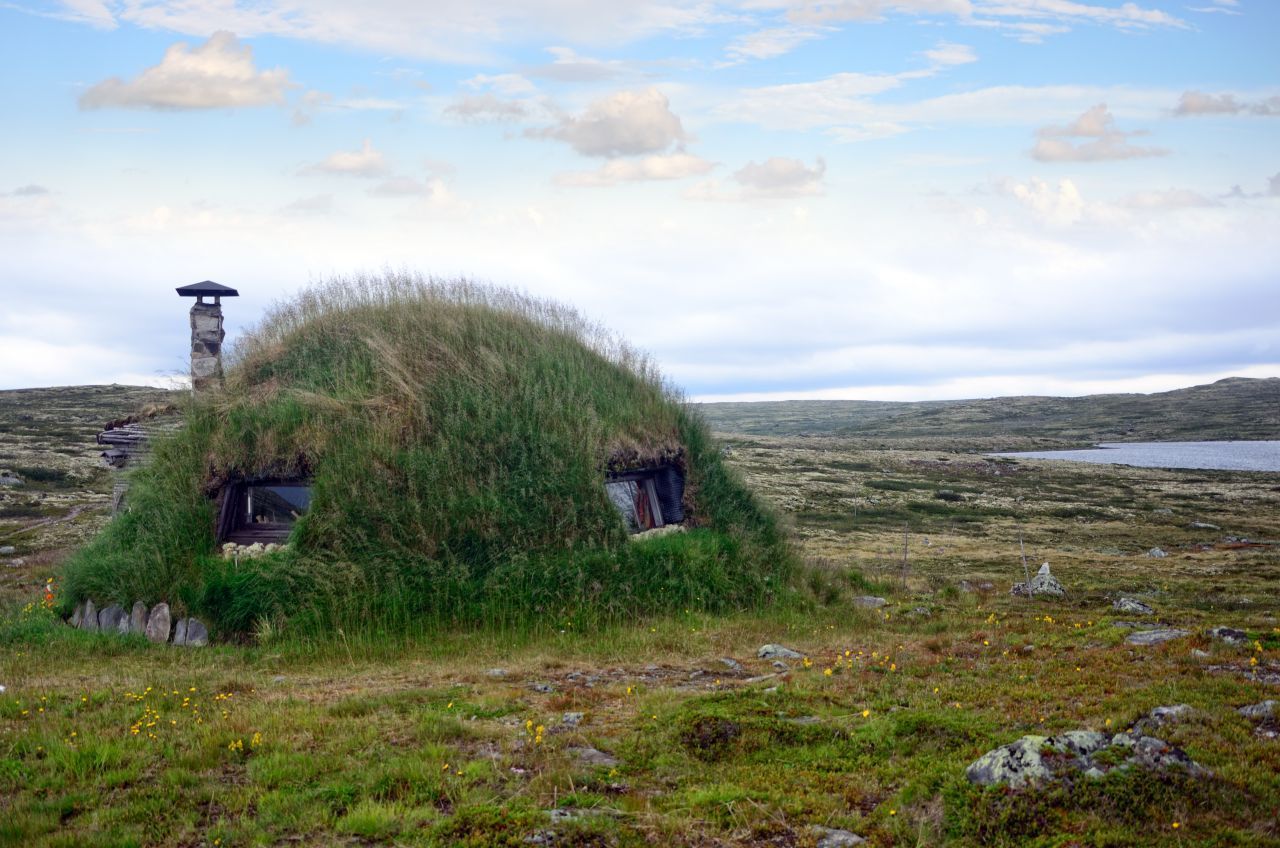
(433,453)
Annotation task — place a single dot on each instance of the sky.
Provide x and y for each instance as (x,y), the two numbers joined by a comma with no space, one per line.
(877,199)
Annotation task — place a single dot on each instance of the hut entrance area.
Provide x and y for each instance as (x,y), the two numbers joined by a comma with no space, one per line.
(648,498)
(262,510)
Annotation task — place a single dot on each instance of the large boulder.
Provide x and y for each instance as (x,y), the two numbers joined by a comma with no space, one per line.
(110,618)
(90,619)
(1043,584)
(1155,637)
(198,634)
(180,632)
(158,622)
(1034,760)
(1132,607)
(138,618)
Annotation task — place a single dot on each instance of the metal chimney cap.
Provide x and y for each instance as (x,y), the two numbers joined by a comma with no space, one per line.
(208,287)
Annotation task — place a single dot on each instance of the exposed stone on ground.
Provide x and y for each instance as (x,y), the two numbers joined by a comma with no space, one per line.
(6,550)
(980,586)
(1261,710)
(89,621)
(731,664)
(1203,525)
(1229,635)
(1199,654)
(571,719)
(1132,606)
(1043,583)
(180,632)
(77,616)
(588,756)
(1024,762)
(1158,717)
(496,673)
(779,665)
(158,624)
(110,618)
(869,601)
(830,837)
(1155,637)
(542,688)
(920,612)
(9,480)
(197,633)
(778,652)
(138,618)
(1157,553)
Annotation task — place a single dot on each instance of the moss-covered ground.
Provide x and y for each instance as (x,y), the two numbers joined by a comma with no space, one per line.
(462,738)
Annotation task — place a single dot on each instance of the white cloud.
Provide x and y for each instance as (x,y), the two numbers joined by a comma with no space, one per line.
(487,108)
(627,123)
(780,177)
(365,162)
(1168,199)
(947,53)
(568,66)
(672,166)
(1108,142)
(92,12)
(1124,16)
(769,43)
(1059,205)
(218,74)
(830,11)
(1222,7)
(318,204)
(1199,103)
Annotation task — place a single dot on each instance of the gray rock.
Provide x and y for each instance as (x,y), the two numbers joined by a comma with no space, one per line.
(197,633)
(1262,710)
(731,664)
(869,602)
(1155,637)
(16,563)
(158,624)
(1024,763)
(778,652)
(6,550)
(1203,525)
(1132,606)
(571,719)
(180,632)
(7,480)
(830,837)
(138,618)
(587,756)
(77,616)
(542,688)
(109,619)
(1230,635)
(1158,717)
(1043,583)
(921,612)
(1157,553)
(1016,764)
(496,673)
(1199,654)
(90,620)
(778,665)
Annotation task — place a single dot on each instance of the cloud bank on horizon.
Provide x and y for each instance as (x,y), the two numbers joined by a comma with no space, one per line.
(898,199)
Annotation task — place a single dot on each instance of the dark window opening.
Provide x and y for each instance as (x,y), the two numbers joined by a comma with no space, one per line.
(262,510)
(648,498)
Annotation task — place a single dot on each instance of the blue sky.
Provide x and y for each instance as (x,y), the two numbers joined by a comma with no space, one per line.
(899,199)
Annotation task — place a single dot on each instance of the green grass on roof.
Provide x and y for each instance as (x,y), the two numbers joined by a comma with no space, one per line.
(457,436)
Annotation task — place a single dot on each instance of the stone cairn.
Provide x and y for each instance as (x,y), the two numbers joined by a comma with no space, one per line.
(156,624)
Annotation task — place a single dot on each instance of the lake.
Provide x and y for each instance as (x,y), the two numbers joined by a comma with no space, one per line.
(1225,456)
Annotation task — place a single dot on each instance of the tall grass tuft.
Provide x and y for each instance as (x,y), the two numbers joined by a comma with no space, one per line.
(457,437)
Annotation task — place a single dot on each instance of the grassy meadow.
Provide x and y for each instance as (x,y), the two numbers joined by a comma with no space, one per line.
(643,732)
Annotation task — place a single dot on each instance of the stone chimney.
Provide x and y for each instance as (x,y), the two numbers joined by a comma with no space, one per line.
(206,333)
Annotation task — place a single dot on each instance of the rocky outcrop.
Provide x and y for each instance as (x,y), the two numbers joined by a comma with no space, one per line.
(1037,760)
(778,652)
(1042,584)
(1155,637)
(1132,606)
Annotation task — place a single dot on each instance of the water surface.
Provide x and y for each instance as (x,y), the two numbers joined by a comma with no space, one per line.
(1224,456)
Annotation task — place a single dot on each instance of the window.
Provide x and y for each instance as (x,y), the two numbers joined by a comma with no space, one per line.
(648,498)
(262,510)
